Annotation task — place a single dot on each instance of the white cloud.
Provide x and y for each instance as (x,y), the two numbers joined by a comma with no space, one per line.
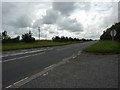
(81,19)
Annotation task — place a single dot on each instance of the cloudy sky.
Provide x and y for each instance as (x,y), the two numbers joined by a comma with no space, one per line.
(72,19)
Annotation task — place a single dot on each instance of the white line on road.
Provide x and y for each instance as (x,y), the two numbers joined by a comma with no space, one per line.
(16,83)
(50,66)
(8,87)
(23,53)
(43,73)
(21,57)
(20,81)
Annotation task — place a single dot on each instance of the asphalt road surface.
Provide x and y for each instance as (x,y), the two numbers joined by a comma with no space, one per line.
(84,71)
(19,64)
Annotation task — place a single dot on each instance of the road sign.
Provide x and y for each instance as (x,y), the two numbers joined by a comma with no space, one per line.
(113,33)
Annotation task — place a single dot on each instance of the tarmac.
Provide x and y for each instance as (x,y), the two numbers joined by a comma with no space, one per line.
(83,71)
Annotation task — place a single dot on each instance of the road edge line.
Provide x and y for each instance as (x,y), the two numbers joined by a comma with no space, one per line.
(22,82)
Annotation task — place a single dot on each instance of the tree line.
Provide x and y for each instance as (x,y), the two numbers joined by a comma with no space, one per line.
(68,39)
(106,34)
(26,37)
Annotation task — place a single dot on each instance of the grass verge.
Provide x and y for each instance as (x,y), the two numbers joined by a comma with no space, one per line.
(104,47)
(22,45)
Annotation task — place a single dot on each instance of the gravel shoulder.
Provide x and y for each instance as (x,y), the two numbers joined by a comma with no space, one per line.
(84,71)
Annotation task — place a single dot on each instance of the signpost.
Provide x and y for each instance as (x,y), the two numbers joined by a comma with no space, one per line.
(113,34)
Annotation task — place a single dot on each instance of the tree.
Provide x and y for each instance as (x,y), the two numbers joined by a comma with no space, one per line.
(27,37)
(56,39)
(16,39)
(64,39)
(5,36)
(106,34)
(0,36)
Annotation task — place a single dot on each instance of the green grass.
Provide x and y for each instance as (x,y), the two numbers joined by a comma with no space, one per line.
(22,45)
(104,47)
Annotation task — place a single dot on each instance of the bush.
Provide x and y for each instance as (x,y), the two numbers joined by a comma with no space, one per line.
(68,39)
(27,37)
(106,34)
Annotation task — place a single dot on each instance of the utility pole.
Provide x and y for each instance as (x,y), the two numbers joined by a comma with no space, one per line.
(39,32)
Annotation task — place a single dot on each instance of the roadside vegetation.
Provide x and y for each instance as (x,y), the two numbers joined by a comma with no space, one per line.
(23,45)
(104,47)
(105,44)
(106,33)
(27,41)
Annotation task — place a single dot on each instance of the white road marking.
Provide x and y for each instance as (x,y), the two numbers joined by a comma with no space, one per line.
(27,51)
(8,86)
(23,53)
(43,73)
(15,83)
(50,66)
(20,81)
(21,57)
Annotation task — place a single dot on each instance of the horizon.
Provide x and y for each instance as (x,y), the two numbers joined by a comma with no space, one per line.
(69,19)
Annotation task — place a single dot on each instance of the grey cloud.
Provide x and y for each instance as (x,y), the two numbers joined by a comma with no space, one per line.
(23,21)
(13,31)
(119,11)
(37,23)
(51,17)
(49,29)
(17,14)
(7,13)
(43,35)
(83,5)
(21,15)
(54,17)
(64,7)
(0,16)
(70,24)
(111,18)
(64,23)
(7,8)
(53,32)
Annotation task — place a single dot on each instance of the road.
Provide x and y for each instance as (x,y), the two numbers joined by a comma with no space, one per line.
(83,71)
(19,64)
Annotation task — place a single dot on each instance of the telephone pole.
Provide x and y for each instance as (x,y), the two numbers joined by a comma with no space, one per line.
(39,32)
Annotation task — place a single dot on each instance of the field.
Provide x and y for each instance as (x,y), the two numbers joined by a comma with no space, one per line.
(22,45)
(104,47)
